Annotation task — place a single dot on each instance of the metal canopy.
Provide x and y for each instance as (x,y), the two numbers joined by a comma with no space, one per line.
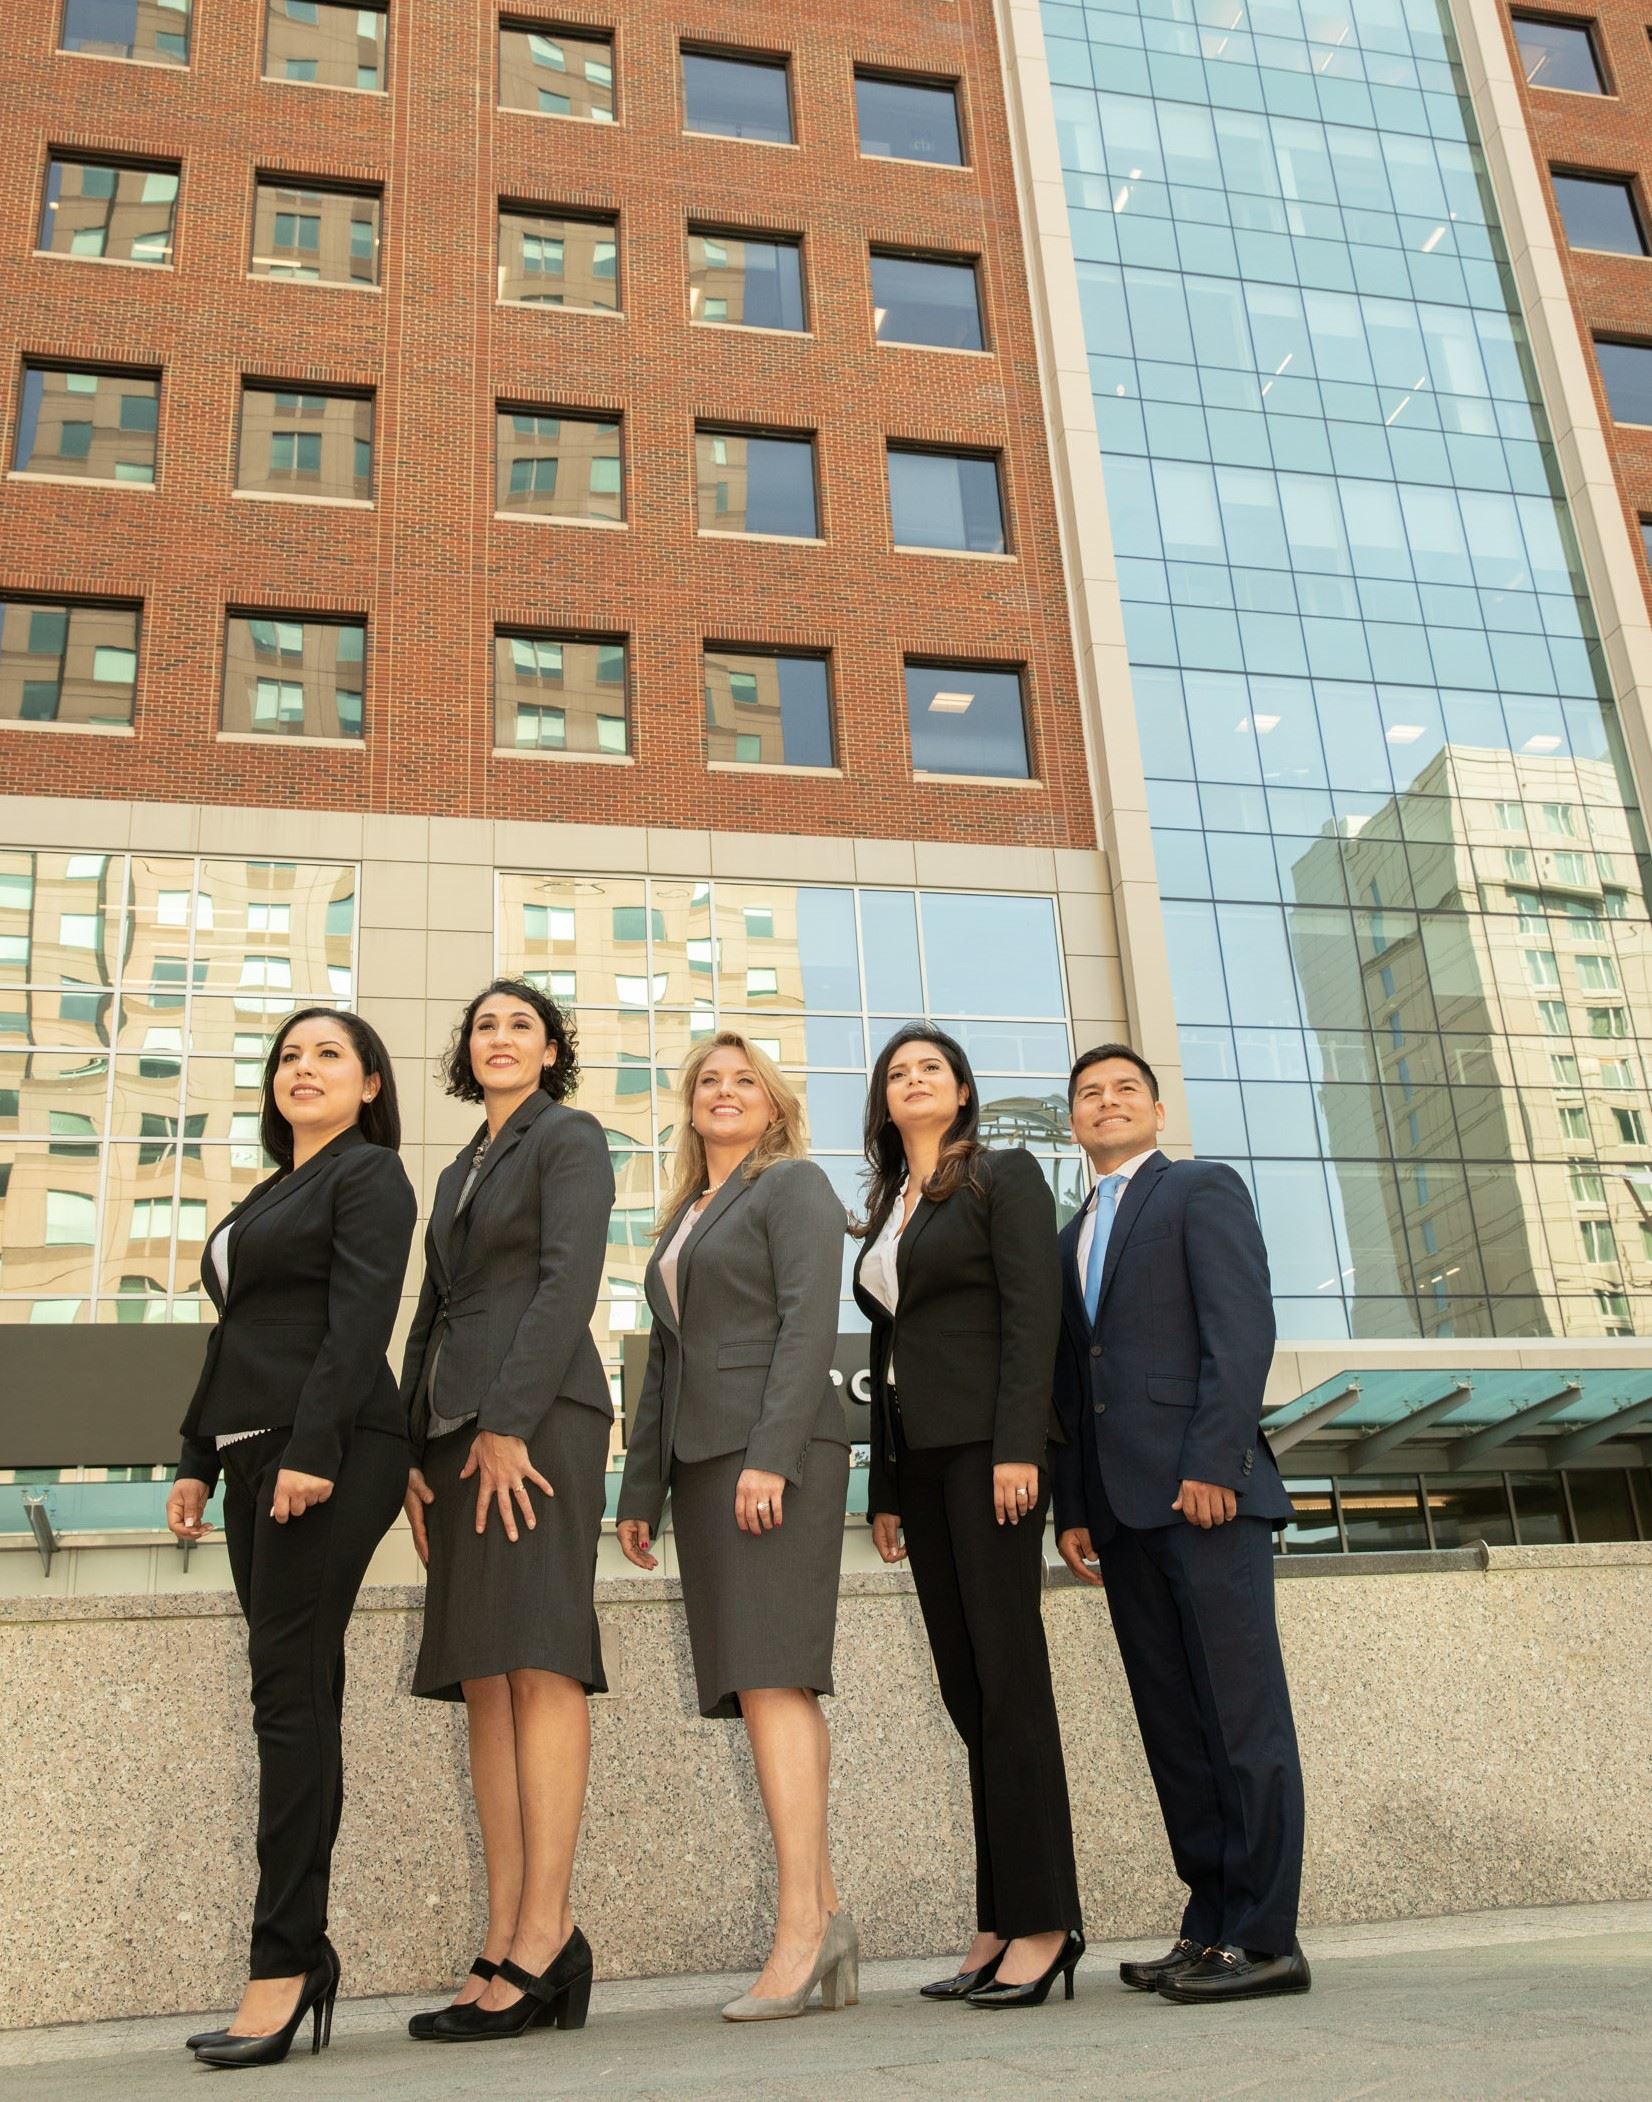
(1469,1421)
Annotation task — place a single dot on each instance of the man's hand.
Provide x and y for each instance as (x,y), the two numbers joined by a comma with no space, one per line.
(1204,1504)
(886,1536)
(1076,1550)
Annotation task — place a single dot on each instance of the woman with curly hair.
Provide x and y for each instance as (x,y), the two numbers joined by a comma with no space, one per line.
(510,1415)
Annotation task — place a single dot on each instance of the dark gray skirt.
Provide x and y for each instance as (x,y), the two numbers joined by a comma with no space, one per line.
(761,1607)
(492,1606)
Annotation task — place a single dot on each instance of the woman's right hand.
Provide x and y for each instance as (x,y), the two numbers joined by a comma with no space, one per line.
(886,1536)
(186,1509)
(634,1535)
(419,1493)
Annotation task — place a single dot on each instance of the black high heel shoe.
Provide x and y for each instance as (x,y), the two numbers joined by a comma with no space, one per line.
(963,1983)
(422,2027)
(203,2037)
(561,1994)
(1036,1990)
(315,1997)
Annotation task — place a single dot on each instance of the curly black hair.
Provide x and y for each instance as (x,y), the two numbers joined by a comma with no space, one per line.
(559,1080)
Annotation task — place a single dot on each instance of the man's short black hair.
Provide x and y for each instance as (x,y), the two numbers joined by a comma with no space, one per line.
(1101,1051)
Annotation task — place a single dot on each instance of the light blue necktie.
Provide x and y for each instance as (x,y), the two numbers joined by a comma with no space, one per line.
(1107,1195)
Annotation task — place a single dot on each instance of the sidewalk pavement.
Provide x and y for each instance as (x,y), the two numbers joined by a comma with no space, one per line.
(1549,2005)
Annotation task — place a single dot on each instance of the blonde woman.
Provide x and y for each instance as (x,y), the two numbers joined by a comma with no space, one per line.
(738,1419)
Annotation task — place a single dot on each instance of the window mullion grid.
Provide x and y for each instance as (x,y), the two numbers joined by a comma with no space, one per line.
(104,1141)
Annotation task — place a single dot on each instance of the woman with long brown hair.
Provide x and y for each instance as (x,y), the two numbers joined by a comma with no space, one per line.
(961,1281)
(739,1420)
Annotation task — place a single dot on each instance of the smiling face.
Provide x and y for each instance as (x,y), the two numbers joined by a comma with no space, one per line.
(921,1089)
(509,1046)
(731,1106)
(1114,1116)
(320,1084)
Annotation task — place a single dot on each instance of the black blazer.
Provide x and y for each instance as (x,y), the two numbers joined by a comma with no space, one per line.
(974,1333)
(317,1258)
(509,1287)
(1167,1385)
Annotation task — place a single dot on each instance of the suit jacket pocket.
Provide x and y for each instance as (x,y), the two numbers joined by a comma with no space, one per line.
(1175,1393)
(759,1352)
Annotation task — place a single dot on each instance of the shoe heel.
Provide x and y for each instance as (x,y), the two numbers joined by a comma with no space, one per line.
(573,2003)
(327,2020)
(840,1987)
(1067,1980)
(315,2029)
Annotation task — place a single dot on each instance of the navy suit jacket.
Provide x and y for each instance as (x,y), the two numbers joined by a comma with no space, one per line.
(1166,1385)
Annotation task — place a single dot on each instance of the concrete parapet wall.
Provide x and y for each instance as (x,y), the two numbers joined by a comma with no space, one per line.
(1473,1736)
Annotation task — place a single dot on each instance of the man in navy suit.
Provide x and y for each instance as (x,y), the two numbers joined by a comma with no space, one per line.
(1167,1484)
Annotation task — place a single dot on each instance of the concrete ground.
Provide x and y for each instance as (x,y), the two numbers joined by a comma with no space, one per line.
(1539,2006)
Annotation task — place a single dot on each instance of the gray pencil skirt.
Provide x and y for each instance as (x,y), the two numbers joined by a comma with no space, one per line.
(493,1606)
(761,1607)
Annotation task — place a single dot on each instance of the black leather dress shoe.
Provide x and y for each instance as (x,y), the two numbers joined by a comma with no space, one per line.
(1148,1977)
(1226,1973)
(963,1983)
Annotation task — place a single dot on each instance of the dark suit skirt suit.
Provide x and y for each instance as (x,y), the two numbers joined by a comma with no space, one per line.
(502,1343)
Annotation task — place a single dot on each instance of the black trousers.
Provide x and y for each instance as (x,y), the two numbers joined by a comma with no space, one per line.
(1194,1615)
(979,1585)
(297,1584)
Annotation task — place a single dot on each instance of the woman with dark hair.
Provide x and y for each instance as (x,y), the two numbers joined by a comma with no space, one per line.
(961,1281)
(298,1410)
(506,1396)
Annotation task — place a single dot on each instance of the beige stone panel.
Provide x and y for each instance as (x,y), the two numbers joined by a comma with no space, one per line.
(945,865)
(393,894)
(891,863)
(569,849)
(1095,985)
(401,1023)
(449,1124)
(459,964)
(1087,926)
(461,839)
(163,828)
(1080,869)
(782,858)
(64,821)
(285,834)
(672,853)
(388,961)
(461,899)
(387,838)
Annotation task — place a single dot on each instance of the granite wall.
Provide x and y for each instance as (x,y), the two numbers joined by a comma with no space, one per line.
(1473,1736)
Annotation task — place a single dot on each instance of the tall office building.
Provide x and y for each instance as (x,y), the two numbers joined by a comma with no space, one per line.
(1077,519)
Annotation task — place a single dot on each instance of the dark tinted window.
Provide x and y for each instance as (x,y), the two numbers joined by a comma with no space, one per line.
(1541,1510)
(1601,1504)
(1466,1508)
(767,709)
(1313,1529)
(1598,211)
(753,484)
(1558,55)
(1383,1515)
(737,282)
(908,120)
(945,500)
(736,98)
(966,719)
(156,30)
(1627,370)
(917,300)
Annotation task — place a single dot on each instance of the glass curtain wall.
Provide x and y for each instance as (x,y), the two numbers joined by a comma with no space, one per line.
(1395,833)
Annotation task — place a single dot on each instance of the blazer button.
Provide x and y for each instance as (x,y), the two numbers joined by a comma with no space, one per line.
(1101,1408)
(1095,1350)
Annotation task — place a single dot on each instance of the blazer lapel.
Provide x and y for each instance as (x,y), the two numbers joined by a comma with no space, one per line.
(265,1199)
(733,1188)
(922,1213)
(653,1285)
(443,1210)
(509,1138)
(1072,1285)
(1137,1192)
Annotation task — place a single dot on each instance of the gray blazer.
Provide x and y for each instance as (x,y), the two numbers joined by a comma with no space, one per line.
(748,1367)
(509,1289)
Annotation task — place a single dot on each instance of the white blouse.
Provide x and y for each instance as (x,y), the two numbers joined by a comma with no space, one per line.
(220,1262)
(879,1273)
(669,1260)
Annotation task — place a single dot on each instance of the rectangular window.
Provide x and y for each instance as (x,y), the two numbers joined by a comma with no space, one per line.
(555,260)
(556,72)
(752,483)
(1552,1015)
(304,444)
(908,120)
(767,708)
(737,98)
(293,676)
(1570,868)
(1574,1121)
(966,719)
(1631,1130)
(926,299)
(557,466)
(945,500)
(152,30)
(325,45)
(559,693)
(738,281)
(1598,211)
(1558,55)
(1586,1184)
(98,425)
(1597,974)
(1607,1021)
(1626,370)
(1541,967)
(119,213)
(317,236)
(67,663)
(1600,1244)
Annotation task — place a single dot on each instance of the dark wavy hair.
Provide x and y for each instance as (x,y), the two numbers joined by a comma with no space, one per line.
(457,1074)
(380,1122)
(958,1165)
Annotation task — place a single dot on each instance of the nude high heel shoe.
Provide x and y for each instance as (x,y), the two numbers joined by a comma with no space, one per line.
(836,1970)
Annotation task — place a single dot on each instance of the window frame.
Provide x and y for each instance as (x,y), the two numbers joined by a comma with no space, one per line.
(155,374)
(365,7)
(139,164)
(721,427)
(281,179)
(527,631)
(554,26)
(510,207)
(991,456)
(1615,338)
(170,65)
(238,609)
(952,258)
(1019,669)
(710,647)
(899,76)
(506,405)
(1607,178)
(1588,25)
(69,606)
(713,230)
(739,55)
(252,383)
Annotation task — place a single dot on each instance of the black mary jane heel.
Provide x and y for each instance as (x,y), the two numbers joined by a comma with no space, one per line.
(422,2027)
(962,1983)
(560,1995)
(315,1997)
(1036,1990)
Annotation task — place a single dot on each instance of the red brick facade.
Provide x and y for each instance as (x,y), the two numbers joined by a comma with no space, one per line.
(429,566)
(1608,134)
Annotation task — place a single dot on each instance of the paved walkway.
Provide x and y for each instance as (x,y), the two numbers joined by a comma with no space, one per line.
(1540,2006)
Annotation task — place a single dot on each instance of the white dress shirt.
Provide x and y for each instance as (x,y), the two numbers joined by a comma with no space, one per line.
(219,1256)
(879,1273)
(1087,1232)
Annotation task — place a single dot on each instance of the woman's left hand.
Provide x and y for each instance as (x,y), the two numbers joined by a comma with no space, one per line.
(757,1500)
(1014,1491)
(295,1493)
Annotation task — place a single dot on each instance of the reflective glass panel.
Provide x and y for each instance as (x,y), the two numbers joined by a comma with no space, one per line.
(1558,55)
(557,466)
(297,444)
(736,281)
(908,120)
(96,425)
(67,663)
(551,260)
(119,213)
(1466,1508)
(924,299)
(319,236)
(555,73)
(1601,1504)
(966,719)
(559,693)
(1383,1514)
(945,500)
(1598,211)
(736,98)
(1626,369)
(156,31)
(749,483)
(325,44)
(767,709)
(288,677)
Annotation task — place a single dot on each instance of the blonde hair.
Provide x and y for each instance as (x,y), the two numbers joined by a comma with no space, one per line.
(784,1140)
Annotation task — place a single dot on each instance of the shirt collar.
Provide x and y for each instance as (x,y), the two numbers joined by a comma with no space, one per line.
(1126,1169)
